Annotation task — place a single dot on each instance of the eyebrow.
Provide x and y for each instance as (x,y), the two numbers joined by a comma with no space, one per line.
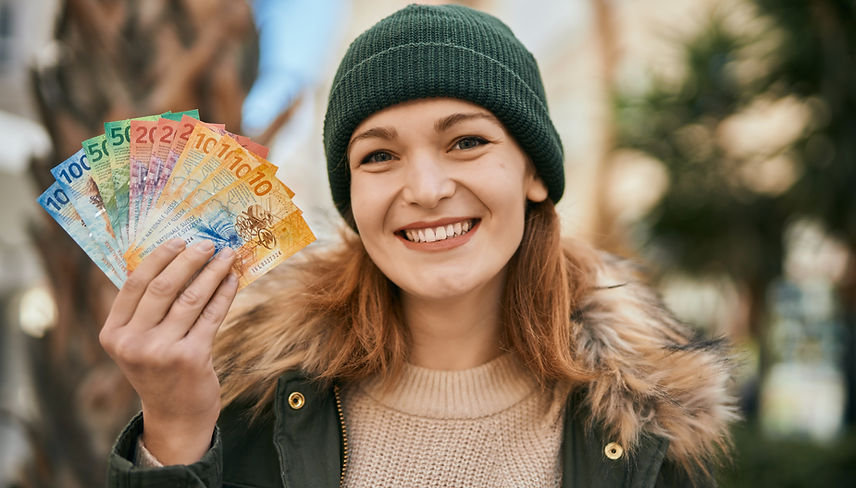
(446,122)
(387,133)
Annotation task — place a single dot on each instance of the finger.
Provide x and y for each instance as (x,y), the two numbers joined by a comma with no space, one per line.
(162,290)
(213,314)
(135,286)
(187,307)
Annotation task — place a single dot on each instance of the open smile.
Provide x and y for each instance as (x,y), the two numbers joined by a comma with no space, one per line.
(439,232)
(436,233)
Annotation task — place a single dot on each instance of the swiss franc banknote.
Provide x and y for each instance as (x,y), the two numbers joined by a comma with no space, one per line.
(153,178)
(59,207)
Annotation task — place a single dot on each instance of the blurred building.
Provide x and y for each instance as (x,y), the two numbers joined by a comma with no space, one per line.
(24,30)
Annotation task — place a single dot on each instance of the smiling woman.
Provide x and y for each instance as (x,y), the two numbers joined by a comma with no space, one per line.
(453,339)
(448,163)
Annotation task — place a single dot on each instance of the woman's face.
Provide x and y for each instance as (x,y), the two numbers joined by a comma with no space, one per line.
(438,193)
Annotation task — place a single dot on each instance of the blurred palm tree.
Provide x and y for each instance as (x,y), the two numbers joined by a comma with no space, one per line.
(759,132)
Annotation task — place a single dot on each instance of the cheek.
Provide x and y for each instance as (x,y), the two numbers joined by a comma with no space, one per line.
(367,205)
(368,217)
(503,194)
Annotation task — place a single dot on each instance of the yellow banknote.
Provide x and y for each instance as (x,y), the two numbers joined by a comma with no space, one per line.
(254,215)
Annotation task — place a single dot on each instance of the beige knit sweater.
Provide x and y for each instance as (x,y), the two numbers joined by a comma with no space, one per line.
(490,426)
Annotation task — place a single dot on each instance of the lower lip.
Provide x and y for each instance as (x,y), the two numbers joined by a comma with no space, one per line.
(442,245)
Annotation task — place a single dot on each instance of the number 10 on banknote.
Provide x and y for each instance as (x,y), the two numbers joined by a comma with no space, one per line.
(150,179)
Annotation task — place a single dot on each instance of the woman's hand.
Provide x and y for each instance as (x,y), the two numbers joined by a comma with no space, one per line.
(160,333)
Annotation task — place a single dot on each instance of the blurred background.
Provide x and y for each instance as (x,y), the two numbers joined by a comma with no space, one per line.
(712,140)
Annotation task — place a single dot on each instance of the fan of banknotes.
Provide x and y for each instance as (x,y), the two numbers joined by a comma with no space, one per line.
(150,179)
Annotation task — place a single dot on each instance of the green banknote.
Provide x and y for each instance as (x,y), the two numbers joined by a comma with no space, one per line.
(97,153)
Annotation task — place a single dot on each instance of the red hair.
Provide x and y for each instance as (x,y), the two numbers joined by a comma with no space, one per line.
(338,318)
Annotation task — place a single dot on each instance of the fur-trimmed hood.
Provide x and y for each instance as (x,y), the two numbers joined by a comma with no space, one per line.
(651,374)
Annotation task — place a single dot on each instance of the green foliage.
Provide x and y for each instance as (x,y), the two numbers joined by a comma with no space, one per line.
(711,219)
(707,221)
(818,62)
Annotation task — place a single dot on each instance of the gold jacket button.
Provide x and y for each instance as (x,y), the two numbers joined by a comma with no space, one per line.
(296,400)
(613,450)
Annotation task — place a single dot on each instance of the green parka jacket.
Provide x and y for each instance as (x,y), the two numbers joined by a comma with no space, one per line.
(304,448)
(656,415)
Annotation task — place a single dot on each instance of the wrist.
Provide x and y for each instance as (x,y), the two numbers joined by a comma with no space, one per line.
(173,441)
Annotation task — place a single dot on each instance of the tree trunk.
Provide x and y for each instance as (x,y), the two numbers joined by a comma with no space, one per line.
(606,234)
(118,59)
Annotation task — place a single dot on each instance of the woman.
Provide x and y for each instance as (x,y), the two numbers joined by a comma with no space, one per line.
(453,341)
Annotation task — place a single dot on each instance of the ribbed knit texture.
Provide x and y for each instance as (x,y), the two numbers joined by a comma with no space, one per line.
(143,458)
(426,51)
(490,426)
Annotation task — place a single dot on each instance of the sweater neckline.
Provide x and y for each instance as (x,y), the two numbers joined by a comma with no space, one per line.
(465,394)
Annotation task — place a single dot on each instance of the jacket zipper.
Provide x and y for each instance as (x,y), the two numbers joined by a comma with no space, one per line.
(344,431)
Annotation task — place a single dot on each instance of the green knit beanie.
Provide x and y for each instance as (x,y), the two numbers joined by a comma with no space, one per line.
(440,51)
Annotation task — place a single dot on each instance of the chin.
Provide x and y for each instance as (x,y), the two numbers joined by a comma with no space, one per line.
(446,287)
(436,294)
(433,290)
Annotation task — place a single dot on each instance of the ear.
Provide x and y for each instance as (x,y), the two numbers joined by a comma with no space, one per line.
(536,190)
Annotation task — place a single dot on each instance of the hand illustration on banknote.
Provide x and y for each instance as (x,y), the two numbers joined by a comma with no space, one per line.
(151,179)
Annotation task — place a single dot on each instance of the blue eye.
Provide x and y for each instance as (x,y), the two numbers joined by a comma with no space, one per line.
(470,142)
(377,157)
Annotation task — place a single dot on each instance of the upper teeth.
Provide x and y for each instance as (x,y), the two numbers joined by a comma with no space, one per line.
(432,234)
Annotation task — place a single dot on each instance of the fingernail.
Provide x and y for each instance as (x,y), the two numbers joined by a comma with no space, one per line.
(204,246)
(225,253)
(175,244)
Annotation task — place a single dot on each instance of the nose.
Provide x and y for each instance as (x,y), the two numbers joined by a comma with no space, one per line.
(427,182)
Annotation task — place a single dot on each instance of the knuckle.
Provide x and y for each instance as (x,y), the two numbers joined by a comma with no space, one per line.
(154,356)
(136,283)
(190,297)
(105,338)
(212,313)
(135,353)
(161,286)
(223,297)
(146,356)
(125,349)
